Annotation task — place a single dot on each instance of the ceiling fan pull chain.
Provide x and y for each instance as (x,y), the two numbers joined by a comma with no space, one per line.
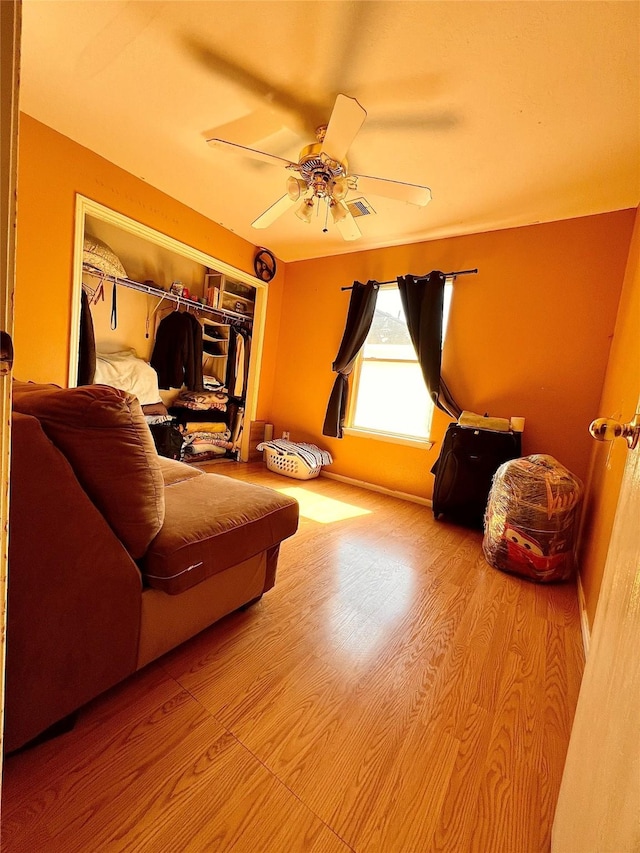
(326,216)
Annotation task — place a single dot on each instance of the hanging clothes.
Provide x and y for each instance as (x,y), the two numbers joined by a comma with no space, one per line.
(246,334)
(177,352)
(238,362)
(230,376)
(87,350)
(194,379)
(238,390)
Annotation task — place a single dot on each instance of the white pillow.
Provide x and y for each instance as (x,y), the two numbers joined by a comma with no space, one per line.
(125,371)
(101,257)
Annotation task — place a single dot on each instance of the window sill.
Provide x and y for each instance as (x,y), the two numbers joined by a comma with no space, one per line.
(390,438)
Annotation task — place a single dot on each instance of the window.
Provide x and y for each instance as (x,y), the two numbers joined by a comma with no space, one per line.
(388,394)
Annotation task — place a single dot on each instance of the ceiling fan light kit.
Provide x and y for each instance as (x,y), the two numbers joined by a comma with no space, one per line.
(323,174)
(305,210)
(338,212)
(296,188)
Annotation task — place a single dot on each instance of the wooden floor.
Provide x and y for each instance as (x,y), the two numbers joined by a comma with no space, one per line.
(392,693)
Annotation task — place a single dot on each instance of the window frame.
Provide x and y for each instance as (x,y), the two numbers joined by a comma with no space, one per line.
(381,435)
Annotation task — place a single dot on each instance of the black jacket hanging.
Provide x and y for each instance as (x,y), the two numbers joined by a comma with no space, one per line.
(194,379)
(177,352)
(87,349)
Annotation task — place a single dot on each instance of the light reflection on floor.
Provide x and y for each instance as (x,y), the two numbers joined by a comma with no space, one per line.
(374,590)
(384,586)
(372,597)
(321,509)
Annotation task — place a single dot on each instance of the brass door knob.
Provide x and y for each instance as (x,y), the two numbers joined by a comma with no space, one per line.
(606,429)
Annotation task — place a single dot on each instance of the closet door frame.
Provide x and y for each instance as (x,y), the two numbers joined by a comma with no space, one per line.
(87,207)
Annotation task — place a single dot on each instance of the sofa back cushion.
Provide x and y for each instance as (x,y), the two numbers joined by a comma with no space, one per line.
(104,435)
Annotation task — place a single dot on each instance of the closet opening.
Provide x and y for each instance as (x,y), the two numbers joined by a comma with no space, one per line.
(168,322)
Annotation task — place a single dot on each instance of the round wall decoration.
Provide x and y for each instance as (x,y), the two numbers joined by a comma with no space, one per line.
(264,265)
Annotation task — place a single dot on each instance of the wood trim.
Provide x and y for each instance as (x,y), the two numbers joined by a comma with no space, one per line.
(11,25)
(597,806)
(390,438)
(87,207)
(584,618)
(372,487)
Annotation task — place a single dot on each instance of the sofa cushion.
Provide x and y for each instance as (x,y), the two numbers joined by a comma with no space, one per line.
(213,522)
(103,434)
(73,616)
(18,386)
(175,472)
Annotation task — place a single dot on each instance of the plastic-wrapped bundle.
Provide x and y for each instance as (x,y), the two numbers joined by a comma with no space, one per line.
(531,521)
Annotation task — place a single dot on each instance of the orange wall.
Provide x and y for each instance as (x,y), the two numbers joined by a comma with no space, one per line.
(529,336)
(619,400)
(52,169)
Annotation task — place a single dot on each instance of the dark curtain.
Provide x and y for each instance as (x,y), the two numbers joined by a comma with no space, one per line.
(423,301)
(359,316)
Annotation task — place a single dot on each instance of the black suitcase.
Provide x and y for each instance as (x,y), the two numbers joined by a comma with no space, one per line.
(464,470)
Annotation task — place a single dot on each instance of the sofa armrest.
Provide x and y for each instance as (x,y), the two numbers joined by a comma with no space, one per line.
(74,592)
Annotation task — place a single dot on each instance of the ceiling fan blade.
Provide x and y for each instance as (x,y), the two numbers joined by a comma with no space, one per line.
(272,213)
(249,129)
(401,191)
(224,145)
(226,67)
(346,120)
(347,226)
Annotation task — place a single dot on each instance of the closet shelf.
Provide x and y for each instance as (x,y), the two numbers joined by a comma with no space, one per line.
(230,316)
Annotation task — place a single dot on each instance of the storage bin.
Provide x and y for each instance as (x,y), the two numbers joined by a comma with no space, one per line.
(289,464)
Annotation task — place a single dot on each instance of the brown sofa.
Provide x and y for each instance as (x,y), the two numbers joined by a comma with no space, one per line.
(116,555)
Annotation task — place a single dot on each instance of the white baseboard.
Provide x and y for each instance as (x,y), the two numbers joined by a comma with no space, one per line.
(584,619)
(373,488)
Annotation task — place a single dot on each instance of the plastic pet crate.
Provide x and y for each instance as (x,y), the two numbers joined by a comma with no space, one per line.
(289,464)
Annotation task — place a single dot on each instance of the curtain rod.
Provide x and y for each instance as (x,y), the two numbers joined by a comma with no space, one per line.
(420,277)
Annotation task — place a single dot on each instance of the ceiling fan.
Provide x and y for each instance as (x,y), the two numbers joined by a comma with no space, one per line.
(321,175)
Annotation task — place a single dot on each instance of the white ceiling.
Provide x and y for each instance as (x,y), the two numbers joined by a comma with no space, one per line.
(512,112)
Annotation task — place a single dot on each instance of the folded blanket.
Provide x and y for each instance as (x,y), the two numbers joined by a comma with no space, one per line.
(154,409)
(212,383)
(204,426)
(470,419)
(200,442)
(201,400)
(205,456)
(158,419)
(309,453)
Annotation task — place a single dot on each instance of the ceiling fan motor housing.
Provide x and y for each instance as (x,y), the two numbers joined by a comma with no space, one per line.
(321,174)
